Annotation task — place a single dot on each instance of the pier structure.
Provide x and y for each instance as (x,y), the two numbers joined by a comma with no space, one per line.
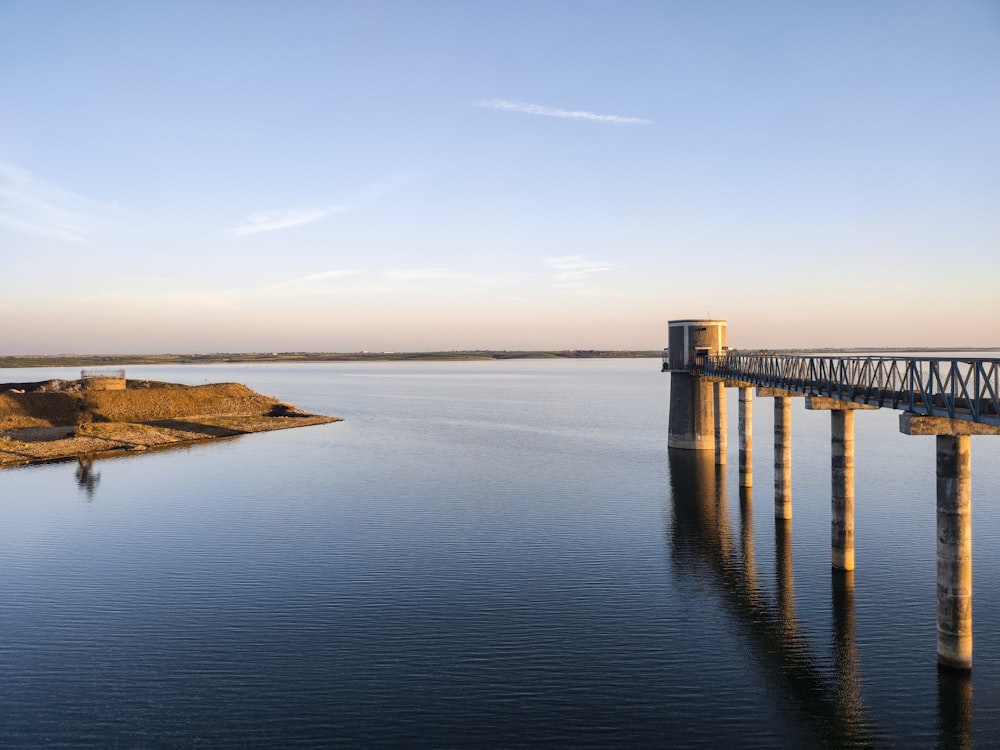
(950,399)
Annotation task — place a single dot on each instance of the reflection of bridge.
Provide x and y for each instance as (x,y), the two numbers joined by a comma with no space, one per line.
(831,703)
(951,399)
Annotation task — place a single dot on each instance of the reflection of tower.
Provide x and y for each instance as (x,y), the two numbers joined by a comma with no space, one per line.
(86,478)
(692,485)
(692,411)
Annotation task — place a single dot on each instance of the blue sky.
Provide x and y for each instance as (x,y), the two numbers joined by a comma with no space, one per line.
(339,176)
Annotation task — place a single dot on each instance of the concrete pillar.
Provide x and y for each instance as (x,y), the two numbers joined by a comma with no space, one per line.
(782,457)
(842,505)
(954,551)
(721,427)
(746,437)
(842,476)
(954,531)
(692,412)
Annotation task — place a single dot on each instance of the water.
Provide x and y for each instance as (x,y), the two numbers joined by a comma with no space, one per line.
(483,554)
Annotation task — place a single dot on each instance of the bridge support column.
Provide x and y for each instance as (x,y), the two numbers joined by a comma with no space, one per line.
(782,449)
(842,496)
(954,551)
(746,437)
(842,476)
(954,531)
(783,457)
(721,427)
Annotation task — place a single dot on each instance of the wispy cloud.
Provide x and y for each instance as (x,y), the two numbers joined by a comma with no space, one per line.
(29,205)
(165,299)
(52,232)
(367,282)
(418,274)
(313,281)
(269,221)
(508,105)
(146,279)
(327,275)
(385,186)
(574,271)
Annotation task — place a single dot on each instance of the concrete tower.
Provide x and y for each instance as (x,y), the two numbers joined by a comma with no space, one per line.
(692,411)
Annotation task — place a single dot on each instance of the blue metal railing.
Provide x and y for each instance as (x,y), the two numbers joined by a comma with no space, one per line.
(966,389)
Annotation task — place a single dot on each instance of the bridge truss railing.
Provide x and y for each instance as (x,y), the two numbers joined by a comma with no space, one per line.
(966,389)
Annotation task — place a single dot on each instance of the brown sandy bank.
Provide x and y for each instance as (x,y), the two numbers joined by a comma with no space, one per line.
(57,419)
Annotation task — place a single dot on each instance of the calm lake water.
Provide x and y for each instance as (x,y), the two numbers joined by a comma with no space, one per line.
(484,554)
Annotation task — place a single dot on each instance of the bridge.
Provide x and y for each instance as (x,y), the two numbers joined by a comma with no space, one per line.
(964,389)
(952,399)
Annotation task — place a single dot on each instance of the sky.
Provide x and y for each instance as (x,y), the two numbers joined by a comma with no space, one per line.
(544,174)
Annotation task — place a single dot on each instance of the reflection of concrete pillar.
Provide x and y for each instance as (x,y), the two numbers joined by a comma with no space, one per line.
(746,437)
(722,514)
(782,457)
(784,570)
(721,442)
(954,699)
(842,515)
(846,649)
(746,532)
(954,551)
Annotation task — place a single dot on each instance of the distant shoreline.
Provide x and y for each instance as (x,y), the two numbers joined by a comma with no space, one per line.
(108,360)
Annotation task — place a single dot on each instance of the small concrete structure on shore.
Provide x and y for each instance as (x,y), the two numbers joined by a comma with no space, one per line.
(103,380)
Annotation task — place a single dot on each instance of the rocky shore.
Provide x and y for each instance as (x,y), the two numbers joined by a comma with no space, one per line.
(58,420)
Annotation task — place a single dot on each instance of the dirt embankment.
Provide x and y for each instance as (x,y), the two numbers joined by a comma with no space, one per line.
(56,420)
